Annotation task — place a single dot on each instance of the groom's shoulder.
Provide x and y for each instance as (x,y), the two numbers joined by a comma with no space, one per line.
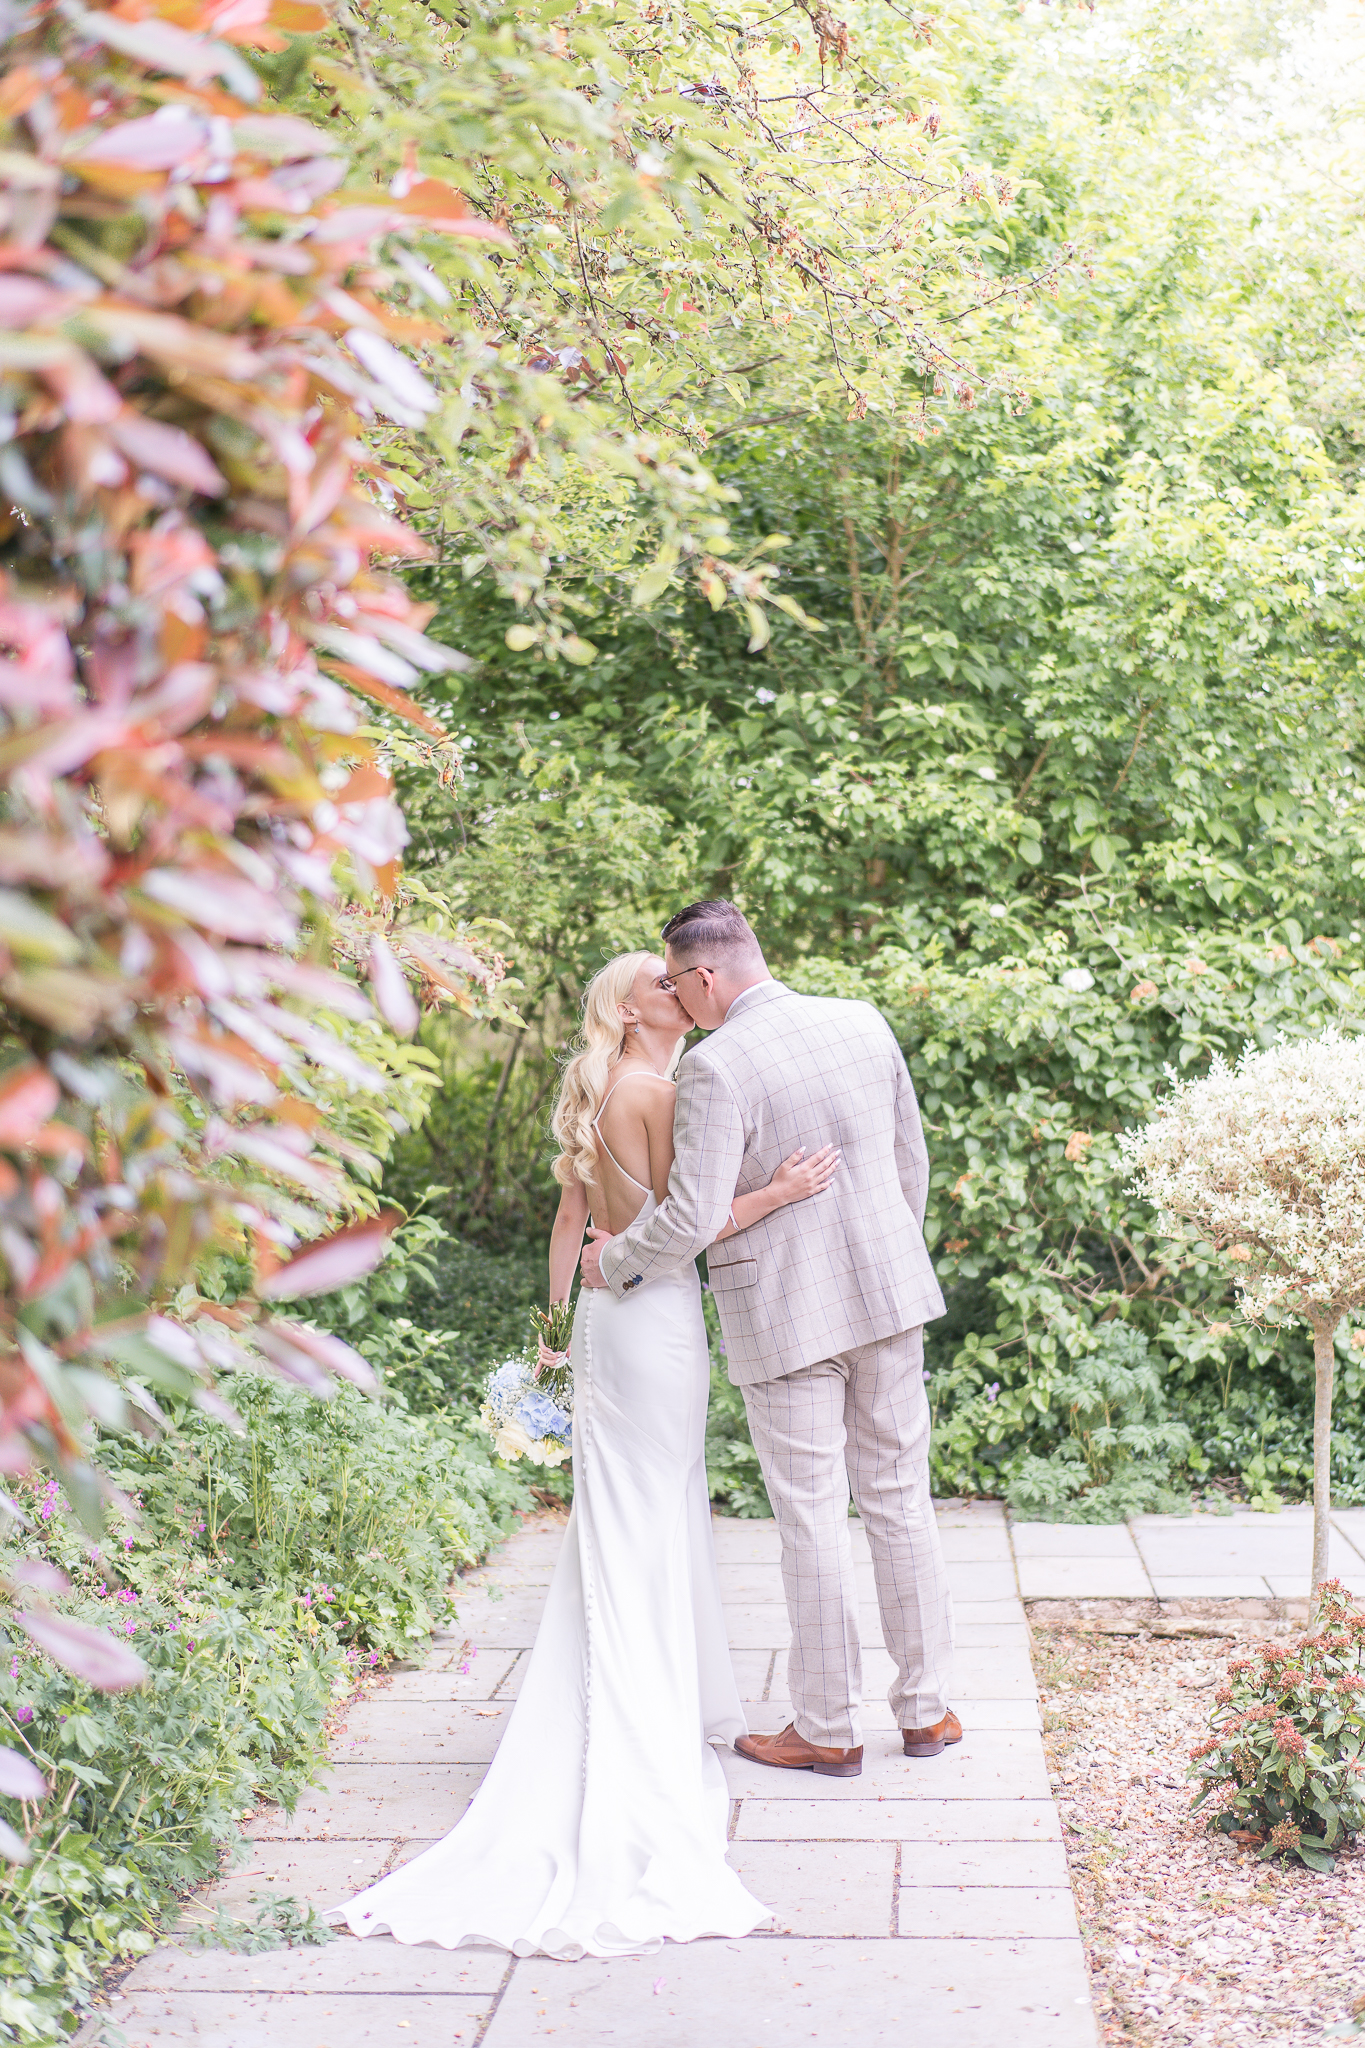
(802,1017)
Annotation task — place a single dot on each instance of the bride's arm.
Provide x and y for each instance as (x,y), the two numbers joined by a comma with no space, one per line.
(796,1180)
(566,1239)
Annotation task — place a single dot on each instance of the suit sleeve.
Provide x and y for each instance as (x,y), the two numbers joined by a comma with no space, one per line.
(708,1150)
(912,1155)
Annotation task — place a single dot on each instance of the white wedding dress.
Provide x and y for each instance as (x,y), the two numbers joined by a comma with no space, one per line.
(600,1829)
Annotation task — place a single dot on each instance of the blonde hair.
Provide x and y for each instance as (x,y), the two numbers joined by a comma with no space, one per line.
(600,1043)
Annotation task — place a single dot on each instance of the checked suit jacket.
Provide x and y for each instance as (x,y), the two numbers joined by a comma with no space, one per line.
(819,1277)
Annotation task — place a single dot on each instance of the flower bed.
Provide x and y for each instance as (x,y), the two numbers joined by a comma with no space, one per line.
(1192,1941)
(261,1578)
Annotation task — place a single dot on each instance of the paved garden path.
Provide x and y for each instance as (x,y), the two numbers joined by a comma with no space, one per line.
(924,1904)
(1244,1556)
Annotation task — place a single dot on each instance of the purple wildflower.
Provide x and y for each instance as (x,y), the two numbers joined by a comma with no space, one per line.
(23,1715)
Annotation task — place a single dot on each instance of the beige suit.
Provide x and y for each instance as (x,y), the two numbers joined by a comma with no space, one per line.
(822,1306)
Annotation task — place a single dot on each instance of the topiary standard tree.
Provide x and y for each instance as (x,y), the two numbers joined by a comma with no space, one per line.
(1265,1162)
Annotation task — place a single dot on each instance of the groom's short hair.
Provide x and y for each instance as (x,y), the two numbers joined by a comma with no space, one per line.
(713,930)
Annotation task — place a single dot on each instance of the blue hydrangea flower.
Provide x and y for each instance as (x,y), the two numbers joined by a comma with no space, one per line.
(539,1417)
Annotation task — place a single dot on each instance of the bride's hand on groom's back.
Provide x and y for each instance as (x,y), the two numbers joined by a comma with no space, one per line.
(798,1178)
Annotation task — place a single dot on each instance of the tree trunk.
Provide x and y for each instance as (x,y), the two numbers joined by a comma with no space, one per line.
(1324,1358)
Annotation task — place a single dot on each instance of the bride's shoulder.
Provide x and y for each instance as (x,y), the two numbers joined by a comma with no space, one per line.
(642,1074)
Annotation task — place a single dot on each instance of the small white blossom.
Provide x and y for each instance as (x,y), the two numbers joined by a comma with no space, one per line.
(1078,980)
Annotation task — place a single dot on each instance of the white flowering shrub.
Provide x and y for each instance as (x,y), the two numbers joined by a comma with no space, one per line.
(1265,1163)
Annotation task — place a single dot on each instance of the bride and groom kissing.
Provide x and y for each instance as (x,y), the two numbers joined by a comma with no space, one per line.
(789,1148)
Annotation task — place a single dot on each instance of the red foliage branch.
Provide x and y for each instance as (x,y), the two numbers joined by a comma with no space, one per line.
(194,336)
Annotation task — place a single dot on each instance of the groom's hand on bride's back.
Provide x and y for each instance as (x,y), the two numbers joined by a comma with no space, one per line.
(591,1261)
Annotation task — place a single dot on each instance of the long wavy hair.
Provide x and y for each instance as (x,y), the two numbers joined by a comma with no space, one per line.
(601,1041)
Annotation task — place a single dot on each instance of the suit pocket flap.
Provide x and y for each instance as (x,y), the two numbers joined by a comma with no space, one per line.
(737,1273)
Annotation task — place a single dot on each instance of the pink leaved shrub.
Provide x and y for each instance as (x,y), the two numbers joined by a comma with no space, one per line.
(1285,1762)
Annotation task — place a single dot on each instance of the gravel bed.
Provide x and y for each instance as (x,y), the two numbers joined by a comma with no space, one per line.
(1190,1939)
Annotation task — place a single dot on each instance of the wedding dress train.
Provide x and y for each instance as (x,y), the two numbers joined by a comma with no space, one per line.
(600,1828)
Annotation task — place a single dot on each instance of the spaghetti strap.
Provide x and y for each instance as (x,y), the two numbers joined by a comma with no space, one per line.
(602,1141)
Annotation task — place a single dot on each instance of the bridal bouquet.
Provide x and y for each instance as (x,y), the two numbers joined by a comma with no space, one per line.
(523,1420)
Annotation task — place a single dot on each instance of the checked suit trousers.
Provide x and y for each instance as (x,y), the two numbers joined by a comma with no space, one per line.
(861,1422)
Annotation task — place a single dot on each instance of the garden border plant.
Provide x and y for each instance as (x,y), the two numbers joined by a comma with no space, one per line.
(1286,1759)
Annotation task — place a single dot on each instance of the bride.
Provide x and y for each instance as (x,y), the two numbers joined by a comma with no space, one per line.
(600,1828)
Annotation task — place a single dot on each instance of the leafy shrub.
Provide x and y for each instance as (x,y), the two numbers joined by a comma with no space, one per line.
(438,1312)
(733,1475)
(267,1572)
(146,1785)
(1085,1436)
(1286,1759)
(356,1513)
(1117,1456)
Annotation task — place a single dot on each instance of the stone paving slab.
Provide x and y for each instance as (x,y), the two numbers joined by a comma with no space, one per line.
(981,1766)
(1242,1555)
(975,1865)
(1206,1586)
(1294,1585)
(476,1675)
(776,1992)
(345,1965)
(1083,1578)
(1015,1913)
(385,1731)
(295,2020)
(360,1802)
(315,1873)
(830,1889)
(1071,1539)
(851,1819)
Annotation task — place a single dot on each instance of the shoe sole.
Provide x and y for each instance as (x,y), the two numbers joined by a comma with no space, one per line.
(773,1763)
(929,1748)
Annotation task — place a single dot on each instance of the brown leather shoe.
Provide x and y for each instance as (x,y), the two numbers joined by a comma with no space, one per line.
(929,1741)
(791,1752)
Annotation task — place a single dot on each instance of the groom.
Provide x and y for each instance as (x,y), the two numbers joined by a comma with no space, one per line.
(823,1305)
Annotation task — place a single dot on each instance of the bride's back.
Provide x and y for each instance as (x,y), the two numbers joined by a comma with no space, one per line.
(630,1129)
